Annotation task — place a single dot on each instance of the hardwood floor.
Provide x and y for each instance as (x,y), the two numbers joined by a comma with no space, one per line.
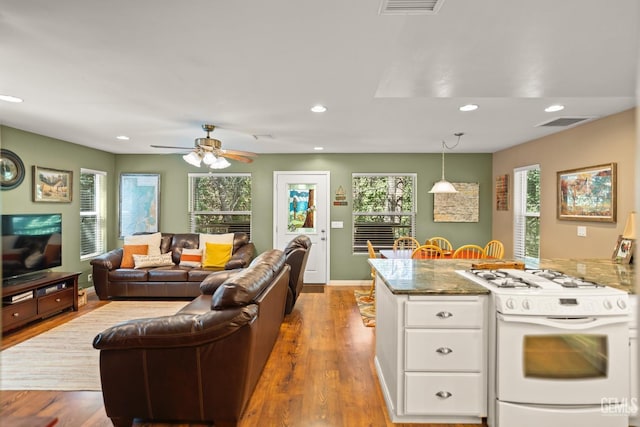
(320,374)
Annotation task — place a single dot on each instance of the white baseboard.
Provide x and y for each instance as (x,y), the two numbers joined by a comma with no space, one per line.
(349,283)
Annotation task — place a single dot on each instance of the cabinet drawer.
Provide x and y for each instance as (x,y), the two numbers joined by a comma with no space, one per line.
(55,301)
(17,313)
(444,350)
(444,314)
(444,394)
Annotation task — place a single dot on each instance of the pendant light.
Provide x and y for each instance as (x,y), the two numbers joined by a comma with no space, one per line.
(444,186)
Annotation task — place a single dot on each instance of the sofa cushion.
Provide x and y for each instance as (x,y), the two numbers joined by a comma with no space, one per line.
(226,238)
(153,240)
(127,275)
(180,241)
(191,258)
(244,287)
(127,254)
(216,254)
(160,260)
(167,274)
(274,258)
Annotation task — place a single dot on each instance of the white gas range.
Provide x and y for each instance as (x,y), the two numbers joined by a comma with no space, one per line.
(558,349)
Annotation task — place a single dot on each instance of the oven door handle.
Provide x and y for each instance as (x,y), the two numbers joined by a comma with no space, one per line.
(573,323)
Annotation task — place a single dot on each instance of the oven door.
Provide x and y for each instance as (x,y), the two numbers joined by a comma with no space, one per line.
(560,361)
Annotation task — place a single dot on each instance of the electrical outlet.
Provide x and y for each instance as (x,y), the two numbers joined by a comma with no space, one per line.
(90,277)
(582,231)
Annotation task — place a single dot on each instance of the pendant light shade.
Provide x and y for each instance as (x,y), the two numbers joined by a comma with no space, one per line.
(444,186)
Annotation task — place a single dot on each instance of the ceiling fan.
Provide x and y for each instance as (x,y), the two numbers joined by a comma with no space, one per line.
(209,150)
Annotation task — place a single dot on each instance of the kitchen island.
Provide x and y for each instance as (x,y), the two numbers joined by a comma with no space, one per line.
(431,343)
(432,335)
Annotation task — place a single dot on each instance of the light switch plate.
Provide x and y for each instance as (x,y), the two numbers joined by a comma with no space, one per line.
(337,224)
(582,231)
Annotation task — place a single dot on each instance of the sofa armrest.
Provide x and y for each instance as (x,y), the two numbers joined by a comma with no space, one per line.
(209,285)
(242,257)
(108,261)
(179,330)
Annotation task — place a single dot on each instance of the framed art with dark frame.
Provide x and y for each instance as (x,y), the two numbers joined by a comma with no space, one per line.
(623,253)
(139,209)
(11,169)
(588,194)
(52,185)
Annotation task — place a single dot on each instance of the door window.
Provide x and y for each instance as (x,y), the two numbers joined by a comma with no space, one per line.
(302,206)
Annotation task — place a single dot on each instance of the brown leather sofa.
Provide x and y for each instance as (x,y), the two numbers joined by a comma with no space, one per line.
(202,364)
(111,281)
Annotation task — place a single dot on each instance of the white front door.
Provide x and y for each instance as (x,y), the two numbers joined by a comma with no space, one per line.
(301,206)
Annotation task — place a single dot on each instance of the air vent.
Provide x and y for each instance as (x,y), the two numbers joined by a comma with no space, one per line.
(410,7)
(564,121)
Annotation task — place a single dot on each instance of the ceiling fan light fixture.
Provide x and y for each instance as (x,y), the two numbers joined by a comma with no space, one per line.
(208,158)
(193,158)
(219,163)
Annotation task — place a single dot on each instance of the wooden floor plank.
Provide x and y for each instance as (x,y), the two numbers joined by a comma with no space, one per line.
(320,373)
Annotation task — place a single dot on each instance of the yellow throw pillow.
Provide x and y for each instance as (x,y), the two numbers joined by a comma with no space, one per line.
(129,251)
(217,255)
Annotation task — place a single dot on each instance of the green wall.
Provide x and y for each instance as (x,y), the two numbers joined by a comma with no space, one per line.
(44,151)
(53,153)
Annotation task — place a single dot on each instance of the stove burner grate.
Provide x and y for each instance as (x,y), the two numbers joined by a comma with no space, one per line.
(503,279)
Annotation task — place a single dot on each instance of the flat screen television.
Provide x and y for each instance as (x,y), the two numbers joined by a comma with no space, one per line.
(31,243)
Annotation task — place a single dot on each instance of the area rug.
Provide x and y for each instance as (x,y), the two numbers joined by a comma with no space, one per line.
(63,358)
(367,307)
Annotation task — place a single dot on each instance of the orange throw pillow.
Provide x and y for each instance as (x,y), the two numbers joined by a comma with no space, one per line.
(129,251)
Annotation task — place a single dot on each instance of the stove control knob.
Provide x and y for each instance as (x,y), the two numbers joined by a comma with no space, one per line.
(622,304)
(607,304)
(526,304)
(511,304)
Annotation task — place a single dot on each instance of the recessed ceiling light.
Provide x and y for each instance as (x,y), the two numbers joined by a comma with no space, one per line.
(10,98)
(554,108)
(318,148)
(123,137)
(318,108)
(469,107)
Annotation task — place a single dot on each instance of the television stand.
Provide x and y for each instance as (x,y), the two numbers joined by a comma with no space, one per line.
(37,298)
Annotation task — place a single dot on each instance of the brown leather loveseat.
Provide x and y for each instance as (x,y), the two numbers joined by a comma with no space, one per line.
(112,281)
(202,364)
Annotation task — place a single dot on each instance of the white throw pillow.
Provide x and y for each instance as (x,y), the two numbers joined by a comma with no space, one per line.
(152,240)
(191,258)
(224,239)
(143,261)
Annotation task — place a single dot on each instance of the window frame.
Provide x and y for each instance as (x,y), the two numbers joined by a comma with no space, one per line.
(100,213)
(360,247)
(521,213)
(192,177)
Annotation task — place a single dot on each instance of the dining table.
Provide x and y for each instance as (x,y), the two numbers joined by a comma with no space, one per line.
(406,253)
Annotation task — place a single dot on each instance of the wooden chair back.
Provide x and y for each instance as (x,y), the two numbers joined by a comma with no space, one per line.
(494,249)
(469,252)
(405,242)
(372,254)
(441,242)
(427,252)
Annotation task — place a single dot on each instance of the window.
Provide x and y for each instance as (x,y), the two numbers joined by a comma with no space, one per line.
(383,209)
(220,203)
(93,212)
(526,221)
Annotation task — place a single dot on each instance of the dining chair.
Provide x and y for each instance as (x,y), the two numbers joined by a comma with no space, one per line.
(372,254)
(427,252)
(405,242)
(494,249)
(469,252)
(441,242)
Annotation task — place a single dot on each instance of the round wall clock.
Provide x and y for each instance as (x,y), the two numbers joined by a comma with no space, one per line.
(11,169)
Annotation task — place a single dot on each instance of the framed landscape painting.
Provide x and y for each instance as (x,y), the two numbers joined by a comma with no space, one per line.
(588,194)
(52,185)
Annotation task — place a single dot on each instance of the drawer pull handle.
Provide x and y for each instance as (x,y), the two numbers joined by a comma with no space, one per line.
(58,300)
(16,314)
(444,314)
(444,350)
(443,394)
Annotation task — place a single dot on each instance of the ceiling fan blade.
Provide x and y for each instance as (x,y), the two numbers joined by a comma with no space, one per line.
(168,146)
(233,156)
(240,153)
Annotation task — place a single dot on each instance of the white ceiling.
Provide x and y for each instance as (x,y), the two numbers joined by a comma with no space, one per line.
(155,70)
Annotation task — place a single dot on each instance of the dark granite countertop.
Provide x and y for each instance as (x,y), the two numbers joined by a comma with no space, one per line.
(438,277)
